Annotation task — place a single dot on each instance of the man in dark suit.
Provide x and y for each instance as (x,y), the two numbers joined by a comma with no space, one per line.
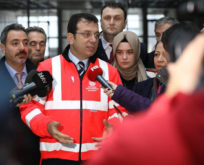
(113,21)
(17,142)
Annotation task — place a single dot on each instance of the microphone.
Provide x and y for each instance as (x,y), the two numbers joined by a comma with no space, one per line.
(37,83)
(95,73)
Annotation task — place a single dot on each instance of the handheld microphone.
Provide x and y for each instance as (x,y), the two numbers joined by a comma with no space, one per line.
(95,73)
(37,83)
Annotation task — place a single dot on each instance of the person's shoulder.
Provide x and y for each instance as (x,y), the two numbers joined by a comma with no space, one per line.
(48,63)
(49,59)
(104,63)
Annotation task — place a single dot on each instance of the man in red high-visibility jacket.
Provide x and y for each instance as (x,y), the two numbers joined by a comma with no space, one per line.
(73,112)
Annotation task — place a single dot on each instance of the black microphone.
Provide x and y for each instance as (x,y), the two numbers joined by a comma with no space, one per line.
(95,73)
(37,83)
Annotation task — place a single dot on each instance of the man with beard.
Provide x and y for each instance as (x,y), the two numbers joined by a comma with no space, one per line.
(36,44)
(17,142)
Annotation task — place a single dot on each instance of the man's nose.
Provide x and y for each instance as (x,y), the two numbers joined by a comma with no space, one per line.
(112,20)
(22,46)
(38,46)
(93,38)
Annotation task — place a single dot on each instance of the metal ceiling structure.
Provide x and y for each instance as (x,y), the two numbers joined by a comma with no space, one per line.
(83,4)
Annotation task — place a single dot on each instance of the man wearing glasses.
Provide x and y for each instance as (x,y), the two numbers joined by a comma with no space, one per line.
(70,119)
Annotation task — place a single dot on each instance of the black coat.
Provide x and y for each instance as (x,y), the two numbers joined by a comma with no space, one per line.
(17,142)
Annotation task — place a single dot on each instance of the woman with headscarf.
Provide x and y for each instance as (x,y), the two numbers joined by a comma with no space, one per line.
(126,49)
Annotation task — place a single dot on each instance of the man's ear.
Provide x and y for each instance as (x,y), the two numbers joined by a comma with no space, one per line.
(70,38)
(2,46)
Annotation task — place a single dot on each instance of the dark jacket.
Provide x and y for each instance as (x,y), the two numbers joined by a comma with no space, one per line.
(149,88)
(130,100)
(16,140)
(145,92)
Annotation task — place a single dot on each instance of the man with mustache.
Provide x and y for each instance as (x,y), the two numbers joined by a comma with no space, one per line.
(16,140)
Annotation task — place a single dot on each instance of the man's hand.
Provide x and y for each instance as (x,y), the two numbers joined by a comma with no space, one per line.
(108,130)
(27,99)
(53,129)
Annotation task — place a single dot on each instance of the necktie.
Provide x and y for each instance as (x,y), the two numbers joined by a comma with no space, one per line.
(19,78)
(111,55)
(81,68)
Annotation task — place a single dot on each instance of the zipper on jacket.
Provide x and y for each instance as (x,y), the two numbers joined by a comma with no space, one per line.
(81,117)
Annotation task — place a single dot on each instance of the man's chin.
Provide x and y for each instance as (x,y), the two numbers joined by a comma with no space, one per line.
(113,33)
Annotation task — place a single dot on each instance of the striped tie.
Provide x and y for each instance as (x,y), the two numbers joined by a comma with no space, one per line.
(81,68)
(19,78)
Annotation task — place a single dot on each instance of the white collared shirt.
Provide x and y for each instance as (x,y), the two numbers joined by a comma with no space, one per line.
(75,60)
(13,72)
(106,46)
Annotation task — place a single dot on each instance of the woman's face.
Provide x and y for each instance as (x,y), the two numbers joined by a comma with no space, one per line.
(161,57)
(124,55)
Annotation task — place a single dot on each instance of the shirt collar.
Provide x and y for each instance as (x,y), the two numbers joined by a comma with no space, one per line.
(75,60)
(104,42)
(13,72)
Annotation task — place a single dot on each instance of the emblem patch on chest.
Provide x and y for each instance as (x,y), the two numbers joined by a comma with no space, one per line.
(92,87)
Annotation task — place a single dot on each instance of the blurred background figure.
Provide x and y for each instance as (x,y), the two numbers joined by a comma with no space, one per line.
(161,25)
(126,49)
(36,44)
(113,21)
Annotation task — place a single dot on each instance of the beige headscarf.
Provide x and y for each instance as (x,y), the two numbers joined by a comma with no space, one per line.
(138,69)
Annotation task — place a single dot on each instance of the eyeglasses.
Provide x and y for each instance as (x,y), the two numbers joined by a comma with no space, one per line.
(88,34)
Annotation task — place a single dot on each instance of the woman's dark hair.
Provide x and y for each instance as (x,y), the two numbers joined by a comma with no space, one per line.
(177,37)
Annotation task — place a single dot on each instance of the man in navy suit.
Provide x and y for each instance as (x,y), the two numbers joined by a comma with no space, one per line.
(18,144)
(113,21)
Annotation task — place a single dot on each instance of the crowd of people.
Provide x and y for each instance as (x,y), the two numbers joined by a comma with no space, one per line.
(140,120)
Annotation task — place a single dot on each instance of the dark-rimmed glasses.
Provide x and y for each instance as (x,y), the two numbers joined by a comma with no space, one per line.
(89,34)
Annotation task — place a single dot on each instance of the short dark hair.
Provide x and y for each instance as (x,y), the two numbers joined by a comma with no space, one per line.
(8,28)
(36,29)
(115,5)
(75,18)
